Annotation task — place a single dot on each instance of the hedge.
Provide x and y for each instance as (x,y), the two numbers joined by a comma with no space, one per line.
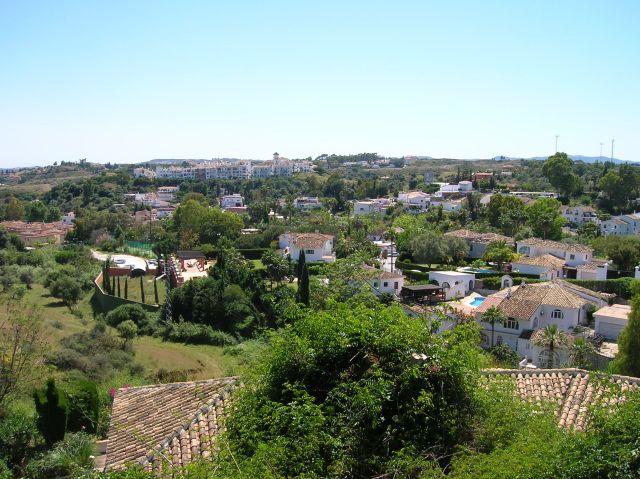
(621,286)
(253,253)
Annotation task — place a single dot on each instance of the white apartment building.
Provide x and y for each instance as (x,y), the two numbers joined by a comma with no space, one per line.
(415,200)
(307,202)
(621,225)
(232,201)
(580,215)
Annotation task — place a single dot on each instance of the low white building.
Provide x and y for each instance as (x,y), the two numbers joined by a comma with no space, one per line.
(378,205)
(579,215)
(415,200)
(385,281)
(455,284)
(572,254)
(307,202)
(546,266)
(167,193)
(595,270)
(69,218)
(232,201)
(317,247)
(611,320)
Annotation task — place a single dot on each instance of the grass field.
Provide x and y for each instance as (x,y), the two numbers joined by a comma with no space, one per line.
(134,293)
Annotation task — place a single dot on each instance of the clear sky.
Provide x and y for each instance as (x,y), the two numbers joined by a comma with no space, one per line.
(129,81)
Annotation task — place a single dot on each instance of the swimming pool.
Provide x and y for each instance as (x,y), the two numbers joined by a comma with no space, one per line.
(476,302)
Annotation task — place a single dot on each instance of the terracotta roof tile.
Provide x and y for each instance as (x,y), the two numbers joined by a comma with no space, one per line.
(544,261)
(574,391)
(540,243)
(166,425)
(479,237)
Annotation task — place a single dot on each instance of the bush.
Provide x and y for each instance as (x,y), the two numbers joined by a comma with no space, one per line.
(53,412)
(506,356)
(65,256)
(192,333)
(621,286)
(129,312)
(5,472)
(84,407)
(69,458)
(17,436)
(253,253)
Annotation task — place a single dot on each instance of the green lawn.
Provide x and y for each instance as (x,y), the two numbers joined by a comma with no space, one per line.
(134,292)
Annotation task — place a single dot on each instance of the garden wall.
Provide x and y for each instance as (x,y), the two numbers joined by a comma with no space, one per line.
(108,302)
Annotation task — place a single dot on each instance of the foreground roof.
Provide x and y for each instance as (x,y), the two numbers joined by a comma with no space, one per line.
(166,424)
(573,390)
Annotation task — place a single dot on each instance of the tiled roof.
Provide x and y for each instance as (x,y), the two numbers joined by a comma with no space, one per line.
(166,424)
(523,300)
(544,261)
(309,240)
(573,390)
(592,265)
(540,243)
(479,237)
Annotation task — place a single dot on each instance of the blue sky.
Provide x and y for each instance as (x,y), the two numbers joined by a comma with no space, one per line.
(128,81)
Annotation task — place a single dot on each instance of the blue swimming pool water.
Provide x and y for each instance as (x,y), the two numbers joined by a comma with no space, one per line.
(476,302)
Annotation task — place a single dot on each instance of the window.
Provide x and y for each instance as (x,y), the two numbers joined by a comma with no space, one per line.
(572,256)
(557,314)
(375,284)
(395,285)
(310,251)
(385,284)
(511,324)
(499,340)
(446,285)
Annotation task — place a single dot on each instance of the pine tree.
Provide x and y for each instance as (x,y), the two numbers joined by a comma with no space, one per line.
(126,288)
(142,289)
(627,361)
(155,291)
(303,286)
(113,286)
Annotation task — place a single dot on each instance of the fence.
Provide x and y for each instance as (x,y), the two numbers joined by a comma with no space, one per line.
(108,302)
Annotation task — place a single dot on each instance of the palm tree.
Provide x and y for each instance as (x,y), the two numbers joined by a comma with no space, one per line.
(498,252)
(494,316)
(581,353)
(551,337)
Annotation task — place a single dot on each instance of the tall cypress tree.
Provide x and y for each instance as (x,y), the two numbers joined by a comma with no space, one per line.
(126,288)
(113,286)
(302,261)
(118,286)
(627,361)
(142,289)
(52,406)
(303,286)
(105,277)
(155,291)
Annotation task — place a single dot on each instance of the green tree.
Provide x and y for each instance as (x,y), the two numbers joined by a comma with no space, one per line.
(127,330)
(628,359)
(67,289)
(498,252)
(155,291)
(84,407)
(277,266)
(493,316)
(551,339)
(303,287)
(118,286)
(624,251)
(589,230)
(37,211)
(428,247)
(558,169)
(126,288)
(53,214)
(302,261)
(52,407)
(545,218)
(142,289)
(456,249)
(14,209)
(581,353)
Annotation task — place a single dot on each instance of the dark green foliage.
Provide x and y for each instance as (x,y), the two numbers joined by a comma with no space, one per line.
(118,286)
(134,312)
(66,288)
(142,289)
(338,394)
(303,286)
(302,260)
(126,288)
(112,288)
(53,411)
(18,434)
(494,282)
(623,287)
(192,333)
(627,361)
(106,281)
(253,253)
(506,357)
(65,256)
(72,457)
(5,472)
(84,407)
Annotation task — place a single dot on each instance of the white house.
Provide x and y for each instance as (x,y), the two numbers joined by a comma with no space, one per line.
(232,201)
(611,320)
(455,284)
(478,242)
(580,215)
(307,202)
(378,205)
(531,307)
(385,281)
(621,225)
(572,254)
(415,200)
(593,270)
(317,247)
(546,266)
(69,218)
(167,193)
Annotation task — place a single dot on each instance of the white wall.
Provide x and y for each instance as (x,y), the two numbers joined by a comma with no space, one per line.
(459,283)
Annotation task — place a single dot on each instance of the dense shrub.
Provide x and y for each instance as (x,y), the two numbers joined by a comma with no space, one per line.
(65,256)
(5,472)
(18,433)
(253,253)
(53,412)
(506,357)
(84,407)
(192,333)
(621,286)
(146,323)
(72,457)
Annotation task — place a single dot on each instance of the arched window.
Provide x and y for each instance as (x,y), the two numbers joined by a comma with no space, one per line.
(524,250)
(446,285)
(557,314)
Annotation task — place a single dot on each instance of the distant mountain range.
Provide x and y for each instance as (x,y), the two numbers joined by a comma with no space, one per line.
(583,158)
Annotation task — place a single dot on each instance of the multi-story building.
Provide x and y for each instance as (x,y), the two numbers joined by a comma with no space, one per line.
(621,225)
(572,254)
(579,215)
(232,201)
(307,202)
(414,200)
(167,193)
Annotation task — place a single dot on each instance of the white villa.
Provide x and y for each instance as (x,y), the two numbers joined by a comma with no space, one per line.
(580,215)
(621,225)
(378,205)
(167,193)
(307,202)
(317,247)
(456,285)
(415,200)
(546,266)
(572,254)
(385,281)
(232,201)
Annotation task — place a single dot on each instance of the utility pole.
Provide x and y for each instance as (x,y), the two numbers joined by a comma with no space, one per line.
(557,143)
